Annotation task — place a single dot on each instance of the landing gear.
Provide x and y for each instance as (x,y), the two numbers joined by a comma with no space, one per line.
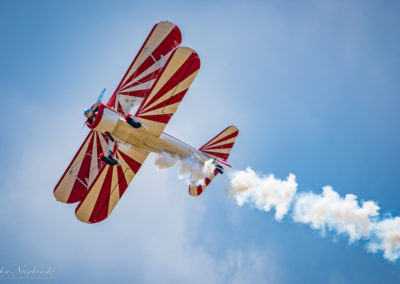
(108,159)
(219,168)
(110,137)
(133,121)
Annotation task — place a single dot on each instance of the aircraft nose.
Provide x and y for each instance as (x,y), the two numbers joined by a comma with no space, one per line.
(88,113)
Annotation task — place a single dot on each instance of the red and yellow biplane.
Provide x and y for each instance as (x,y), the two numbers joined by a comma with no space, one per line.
(118,142)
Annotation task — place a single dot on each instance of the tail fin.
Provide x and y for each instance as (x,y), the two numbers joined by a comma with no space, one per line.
(219,149)
(221,145)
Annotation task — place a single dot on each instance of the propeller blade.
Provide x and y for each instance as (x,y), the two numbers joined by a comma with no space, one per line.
(98,100)
(83,126)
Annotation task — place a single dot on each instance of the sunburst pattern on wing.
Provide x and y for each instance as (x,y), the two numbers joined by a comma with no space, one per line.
(145,68)
(109,186)
(169,89)
(82,170)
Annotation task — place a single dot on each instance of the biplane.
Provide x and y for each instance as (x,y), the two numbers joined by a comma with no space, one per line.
(119,142)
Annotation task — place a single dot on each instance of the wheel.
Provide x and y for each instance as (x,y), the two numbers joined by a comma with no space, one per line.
(108,159)
(133,122)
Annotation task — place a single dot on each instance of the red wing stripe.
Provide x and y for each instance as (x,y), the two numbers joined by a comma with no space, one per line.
(173,39)
(162,39)
(123,185)
(134,165)
(143,80)
(101,202)
(184,71)
(130,66)
(234,134)
(109,186)
(224,146)
(169,89)
(164,118)
(220,155)
(145,65)
(138,93)
(174,99)
(84,170)
(78,193)
(196,190)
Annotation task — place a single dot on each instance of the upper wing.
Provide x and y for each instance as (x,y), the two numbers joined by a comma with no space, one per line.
(82,170)
(110,185)
(169,89)
(145,68)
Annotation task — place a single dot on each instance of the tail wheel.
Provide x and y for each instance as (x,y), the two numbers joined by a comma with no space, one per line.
(219,168)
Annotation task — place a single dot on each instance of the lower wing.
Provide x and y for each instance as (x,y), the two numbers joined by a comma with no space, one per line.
(109,185)
(82,170)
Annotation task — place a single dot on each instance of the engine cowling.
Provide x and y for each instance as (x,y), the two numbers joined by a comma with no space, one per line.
(104,120)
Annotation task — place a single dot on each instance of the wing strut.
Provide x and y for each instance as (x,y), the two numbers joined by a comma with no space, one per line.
(152,57)
(77,178)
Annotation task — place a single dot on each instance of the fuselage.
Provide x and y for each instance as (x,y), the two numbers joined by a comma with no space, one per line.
(107,120)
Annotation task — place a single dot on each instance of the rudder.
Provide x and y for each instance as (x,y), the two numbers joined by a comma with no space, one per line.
(221,145)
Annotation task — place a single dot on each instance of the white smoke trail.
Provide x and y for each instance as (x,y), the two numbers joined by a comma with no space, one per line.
(386,238)
(325,211)
(191,167)
(208,168)
(265,192)
(188,168)
(165,160)
(329,211)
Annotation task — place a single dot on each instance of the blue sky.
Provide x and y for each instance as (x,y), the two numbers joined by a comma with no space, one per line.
(312,86)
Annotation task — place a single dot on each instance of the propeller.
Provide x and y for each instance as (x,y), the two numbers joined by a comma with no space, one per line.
(89,112)
(99,99)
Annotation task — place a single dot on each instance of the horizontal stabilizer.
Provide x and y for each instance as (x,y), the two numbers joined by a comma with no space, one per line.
(221,145)
(218,149)
(197,189)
